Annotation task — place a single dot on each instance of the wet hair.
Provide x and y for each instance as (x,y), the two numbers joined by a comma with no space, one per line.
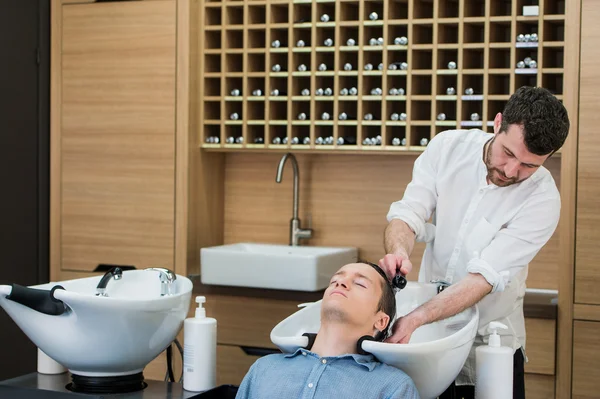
(544,119)
(387,302)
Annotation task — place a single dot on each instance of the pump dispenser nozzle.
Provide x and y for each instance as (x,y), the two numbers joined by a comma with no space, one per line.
(200,311)
(494,337)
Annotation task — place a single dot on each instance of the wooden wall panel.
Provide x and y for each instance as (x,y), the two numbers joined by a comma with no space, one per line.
(344,198)
(586,360)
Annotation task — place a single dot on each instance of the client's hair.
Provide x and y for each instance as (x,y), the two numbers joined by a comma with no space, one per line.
(387,302)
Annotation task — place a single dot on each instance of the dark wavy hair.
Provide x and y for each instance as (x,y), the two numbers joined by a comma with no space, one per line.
(544,119)
(387,302)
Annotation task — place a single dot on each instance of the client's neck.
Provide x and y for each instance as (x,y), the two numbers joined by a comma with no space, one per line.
(335,339)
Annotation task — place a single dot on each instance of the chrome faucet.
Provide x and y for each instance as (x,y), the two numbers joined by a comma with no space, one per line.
(115,272)
(296,232)
(167,278)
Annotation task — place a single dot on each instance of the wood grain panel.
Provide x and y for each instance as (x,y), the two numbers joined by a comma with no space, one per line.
(586,360)
(539,386)
(118,134)
(344,198)
(587,272)
(540,346)
(232,364)
(586,312)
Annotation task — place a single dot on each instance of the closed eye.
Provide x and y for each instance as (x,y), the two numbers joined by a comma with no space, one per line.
(360,284)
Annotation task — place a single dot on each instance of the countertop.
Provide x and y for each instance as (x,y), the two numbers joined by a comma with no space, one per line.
(538,303)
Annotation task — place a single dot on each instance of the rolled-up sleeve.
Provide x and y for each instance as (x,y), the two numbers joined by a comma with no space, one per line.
(516,244)
(420,198)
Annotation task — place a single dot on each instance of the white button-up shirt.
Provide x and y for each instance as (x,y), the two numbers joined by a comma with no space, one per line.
(478,228)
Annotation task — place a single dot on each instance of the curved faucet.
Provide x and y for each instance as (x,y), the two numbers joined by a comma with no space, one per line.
(167,278)
(296,232)
(115,272)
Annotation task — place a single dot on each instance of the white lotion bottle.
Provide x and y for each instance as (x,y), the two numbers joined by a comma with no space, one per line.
(494,367)
(199,350)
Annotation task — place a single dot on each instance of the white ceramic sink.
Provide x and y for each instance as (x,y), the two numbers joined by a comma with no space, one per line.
(299,268)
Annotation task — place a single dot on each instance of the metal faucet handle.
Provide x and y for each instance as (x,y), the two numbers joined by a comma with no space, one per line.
(441,284)
(167,277)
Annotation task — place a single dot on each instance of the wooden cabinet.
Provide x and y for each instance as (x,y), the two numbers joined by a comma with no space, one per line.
(586,360)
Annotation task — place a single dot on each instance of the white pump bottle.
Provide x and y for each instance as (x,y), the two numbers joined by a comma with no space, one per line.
(494,367)
(199,350)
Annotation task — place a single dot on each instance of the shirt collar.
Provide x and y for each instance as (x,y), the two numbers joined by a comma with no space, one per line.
(367,360)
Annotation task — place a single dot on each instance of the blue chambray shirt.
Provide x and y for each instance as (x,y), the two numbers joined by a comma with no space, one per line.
(303,374)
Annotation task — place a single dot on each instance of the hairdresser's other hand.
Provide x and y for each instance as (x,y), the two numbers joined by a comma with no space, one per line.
(403,329)
(392,263)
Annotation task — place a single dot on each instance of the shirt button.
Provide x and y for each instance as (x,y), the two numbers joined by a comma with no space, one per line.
(324,361)
(304,353)
(310,385)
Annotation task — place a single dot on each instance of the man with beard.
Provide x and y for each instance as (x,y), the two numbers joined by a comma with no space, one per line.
(358,303)
(493,206)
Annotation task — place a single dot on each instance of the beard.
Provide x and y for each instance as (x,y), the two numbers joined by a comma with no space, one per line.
(332,313)
(494,174)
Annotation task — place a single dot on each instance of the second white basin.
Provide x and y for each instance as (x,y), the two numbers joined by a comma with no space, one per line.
(273,266)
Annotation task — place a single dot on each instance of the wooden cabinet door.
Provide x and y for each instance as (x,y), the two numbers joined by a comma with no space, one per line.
(586,360)
(587,269)
(117,135)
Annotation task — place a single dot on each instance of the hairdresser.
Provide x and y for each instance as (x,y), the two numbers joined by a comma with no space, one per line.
(492,207)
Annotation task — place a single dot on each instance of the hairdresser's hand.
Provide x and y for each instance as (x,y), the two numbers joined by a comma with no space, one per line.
(403,329)
(392,263)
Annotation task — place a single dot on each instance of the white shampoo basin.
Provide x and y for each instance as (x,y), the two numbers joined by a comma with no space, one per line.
(273,266)
(100,336)
(434,356)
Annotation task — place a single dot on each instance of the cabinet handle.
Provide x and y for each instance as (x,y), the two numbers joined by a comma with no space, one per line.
(104,267)
(252,351)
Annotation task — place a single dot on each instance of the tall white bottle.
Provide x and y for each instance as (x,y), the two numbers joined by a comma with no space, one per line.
(494,367)
(199,350)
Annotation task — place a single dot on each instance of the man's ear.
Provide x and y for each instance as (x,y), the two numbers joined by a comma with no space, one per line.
(381,322)
(497,122)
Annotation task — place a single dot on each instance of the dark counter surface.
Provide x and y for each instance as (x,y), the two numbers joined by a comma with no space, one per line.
(541,304)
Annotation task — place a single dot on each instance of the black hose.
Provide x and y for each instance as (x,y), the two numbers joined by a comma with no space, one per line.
(181,352)
(169,363)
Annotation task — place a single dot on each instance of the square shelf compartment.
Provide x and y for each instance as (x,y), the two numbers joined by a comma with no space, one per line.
(420,111)
(280,84)
(212,39)
(278,111)
(473,58)
(304,35)
(395,132)
(398,9)
(501,8)
(370,83)
(395,82)
(326,9)
(349,108)
(499,84)
(500,32)
(301,59)
(347,82)
(280,59)
(525,27)
(468,109)
(448,9)
(234,131)
(255,83)
(422,34)
(374,58)
(554,31)
(347,33)
(302,13)
(474,82)
(257,15)
(373,108)
(234,15)
(396,32)
(370,132)
(350,11)
(234,39)
(554,7)
(446,56)
(301,107)
(421,85)
(372,32)
(475,8)
(234,63)
(525,80)
(494,107)
(212,63)
(300,132)
(444,82)
(418,133)
(448,108)
(523,53)
(210,130)
(448,33)
(323,132)
(422,59)
(394,107)
(256,62)
(212,16)
(256,38)
(553,82)
(323,34)
(232,107)
(521,3)
(277,133)
(348,133)
(554,57)
(256,134)
(422,9)
(212,110)
(233,84)
(280,34)
(474,32)
(300,83)
(212,87)
(279,13)
(324,82)
(349,57)
(326,58)
(499,58)
(324,111)
(373,6)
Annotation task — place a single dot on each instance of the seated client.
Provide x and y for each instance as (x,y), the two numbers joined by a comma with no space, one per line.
(359,302)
